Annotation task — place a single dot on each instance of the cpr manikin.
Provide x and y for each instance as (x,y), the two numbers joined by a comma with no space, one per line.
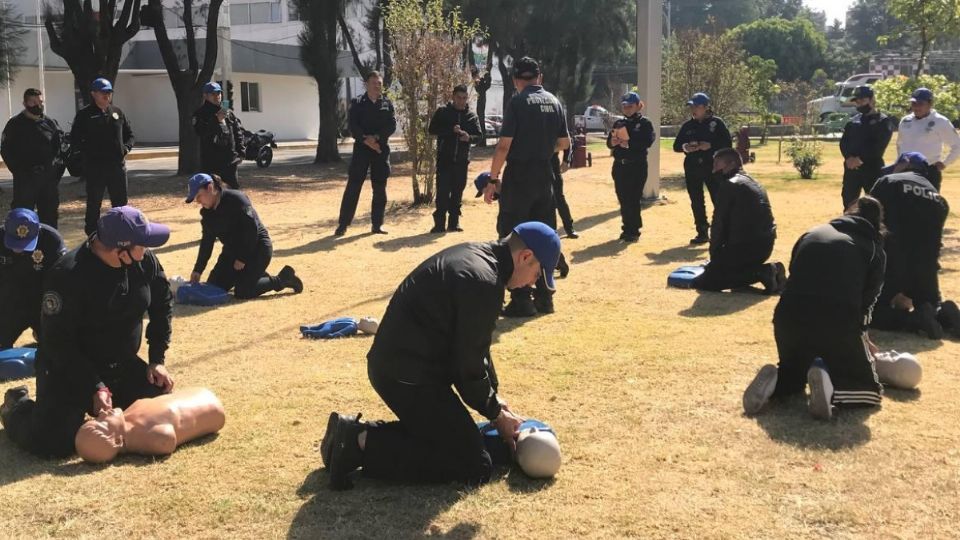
(899,370)
(154,426)
(538,453)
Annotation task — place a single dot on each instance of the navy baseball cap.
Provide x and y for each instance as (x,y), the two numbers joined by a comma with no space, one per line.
(862,91)
(915,159)
(102,85)
(481,184)
(125,226)
(526,68)
(922,94)
(545,244)
(212,88)
(197,182)
(699,99)
(21,231)
(631,98)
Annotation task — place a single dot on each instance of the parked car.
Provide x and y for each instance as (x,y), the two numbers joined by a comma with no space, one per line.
(595,118)
(840,100)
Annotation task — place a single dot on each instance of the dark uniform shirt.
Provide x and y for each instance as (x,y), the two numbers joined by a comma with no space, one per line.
(28,143)
(220,144)
(839,266)
(742,214)
(450,149)
(640,131)
(235,223)
(440,321)
(375,118)
(101,136)
(535,120)
(21,274)
(866,136)
(92,316)
(710,130)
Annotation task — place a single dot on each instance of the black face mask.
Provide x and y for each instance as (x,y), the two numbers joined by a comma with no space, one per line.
(36,110)
(864,109)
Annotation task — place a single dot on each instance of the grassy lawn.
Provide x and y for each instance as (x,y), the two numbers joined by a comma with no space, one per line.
(642,384)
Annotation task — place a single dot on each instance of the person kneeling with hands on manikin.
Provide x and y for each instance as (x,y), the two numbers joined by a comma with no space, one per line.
(436,333)
(228,215)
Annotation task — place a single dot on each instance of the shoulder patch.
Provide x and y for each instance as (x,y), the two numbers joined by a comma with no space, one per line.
(52,303)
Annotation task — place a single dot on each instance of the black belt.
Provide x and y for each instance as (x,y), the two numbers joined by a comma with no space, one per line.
(626,161)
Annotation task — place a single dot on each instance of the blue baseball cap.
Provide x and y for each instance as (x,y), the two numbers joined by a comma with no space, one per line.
(101,85)
(922,94)
(125,226)
(631,98)
(862,91)
(481,184)
(699,99)
(212,88)
(545,244)
(197,182)
(915,159)
(21,231)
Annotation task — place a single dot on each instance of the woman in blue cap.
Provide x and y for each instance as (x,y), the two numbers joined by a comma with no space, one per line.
(227,215)
(629,139)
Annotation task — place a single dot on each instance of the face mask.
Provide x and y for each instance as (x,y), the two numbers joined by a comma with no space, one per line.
(36,110)
(864,109)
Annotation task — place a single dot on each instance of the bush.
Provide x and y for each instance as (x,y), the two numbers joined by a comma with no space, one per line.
(807,155)
(893,94)
(776,119)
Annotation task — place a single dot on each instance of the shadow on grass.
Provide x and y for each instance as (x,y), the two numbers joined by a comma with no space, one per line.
(326,243)
(606,249)
(901,395)
(788,421)
(683,254)
(589,222)
(403,242)
(170,248)
(904,341)
(188,310)
(713,304)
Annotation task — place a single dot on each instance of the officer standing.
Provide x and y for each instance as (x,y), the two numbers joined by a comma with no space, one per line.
(221,136)
(456,127)
(30,146)
(103,135)
(534,129)
(559,199)
(865,139)
(630,138)
(699,138)
(92,314)
(372,121)
(926,131)
(29,249)
(436,334)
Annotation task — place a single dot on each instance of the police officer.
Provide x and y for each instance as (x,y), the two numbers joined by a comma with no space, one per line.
(103,135)
(699,138)
(534,129)
(914,214)
(29,249)
(865,139)
(436,333)
(926,131)
(630,162)
(742,233)
(92,311)
(456,127)
(820,323)
(372,121)
(221,136)
(30,146)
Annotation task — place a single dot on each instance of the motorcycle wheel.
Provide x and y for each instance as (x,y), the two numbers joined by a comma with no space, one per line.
(264,157)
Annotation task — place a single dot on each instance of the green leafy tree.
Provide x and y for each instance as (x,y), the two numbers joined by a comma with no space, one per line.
(318,52)
(926,21)
(796,46)
(11,45)
(705,16)
(763,89)
(866,21)
(893,94)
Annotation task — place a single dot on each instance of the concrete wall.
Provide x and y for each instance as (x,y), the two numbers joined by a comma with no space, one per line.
(59,96)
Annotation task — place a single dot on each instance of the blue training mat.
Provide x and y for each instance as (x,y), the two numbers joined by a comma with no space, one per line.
(498,450)
(201,294)
(17,363)
(682,278)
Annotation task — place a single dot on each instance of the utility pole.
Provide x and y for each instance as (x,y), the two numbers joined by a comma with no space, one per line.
(649,44)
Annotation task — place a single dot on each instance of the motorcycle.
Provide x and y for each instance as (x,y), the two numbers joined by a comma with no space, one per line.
(259,147)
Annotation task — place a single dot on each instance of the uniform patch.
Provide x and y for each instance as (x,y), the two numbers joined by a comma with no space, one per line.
(713,126)
(37,257)
(116,116)
(52,303)
(22,231)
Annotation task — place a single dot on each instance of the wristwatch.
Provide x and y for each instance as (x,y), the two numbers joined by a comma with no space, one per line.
(494,181)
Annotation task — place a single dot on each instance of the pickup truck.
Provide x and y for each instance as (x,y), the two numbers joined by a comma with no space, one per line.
(595,118)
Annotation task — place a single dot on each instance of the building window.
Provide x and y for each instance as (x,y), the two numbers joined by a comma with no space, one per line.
(293,14)
(255,13)
(239,14)
(250,97)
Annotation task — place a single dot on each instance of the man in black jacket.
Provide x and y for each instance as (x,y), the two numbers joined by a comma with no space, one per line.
(30,147)
(456,128)
(742,234)
(103,135)
(864,140)
(629,139)
(92,314)
(436,333)
(221,136)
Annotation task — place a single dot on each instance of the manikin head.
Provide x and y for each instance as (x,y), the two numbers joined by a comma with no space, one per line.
(100,440)
(526,71)
(368,325)
(900,370)
(538,453)
(374,85)
(535,249)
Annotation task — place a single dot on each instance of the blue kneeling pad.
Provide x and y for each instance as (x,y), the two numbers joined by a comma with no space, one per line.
(17,363)
(201,294)
(682,278)
(497,448)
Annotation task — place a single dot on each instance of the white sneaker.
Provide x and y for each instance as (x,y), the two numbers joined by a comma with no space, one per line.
(821,393)
(758,393)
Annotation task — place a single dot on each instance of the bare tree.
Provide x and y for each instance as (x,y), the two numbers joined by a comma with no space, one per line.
(318,52)
(11,45)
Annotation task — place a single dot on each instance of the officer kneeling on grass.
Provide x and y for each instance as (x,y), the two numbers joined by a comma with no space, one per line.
(742,233)
(93,306)
(435,334)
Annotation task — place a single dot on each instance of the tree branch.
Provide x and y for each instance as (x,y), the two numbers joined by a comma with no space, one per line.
(191,35)
(353,49)
(169,56)
(210,51)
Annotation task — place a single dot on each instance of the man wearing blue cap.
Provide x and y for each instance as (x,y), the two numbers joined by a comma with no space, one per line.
(864,140)
(926,131)
(221,136)
(914,215)
(92,311)
(699,138)
(435,334)
(103,135)
(629,139)
(29,249)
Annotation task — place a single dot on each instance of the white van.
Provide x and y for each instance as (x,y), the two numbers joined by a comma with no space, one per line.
(840,100)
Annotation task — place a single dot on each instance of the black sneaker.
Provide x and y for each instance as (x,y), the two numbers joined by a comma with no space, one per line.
(629,238)
(768,278)
(10,398)
(378,230)
(923,319)
(289,280)
(341,230)
(563,267)
(543,303)
(781,277)
(454,227)
(572,234)
(340,450)
(701,238)
(437,229)
(949,317)
(520,308)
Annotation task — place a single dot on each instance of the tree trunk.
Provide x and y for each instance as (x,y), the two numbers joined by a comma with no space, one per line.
(188,99)
(924,45)
(327,137)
